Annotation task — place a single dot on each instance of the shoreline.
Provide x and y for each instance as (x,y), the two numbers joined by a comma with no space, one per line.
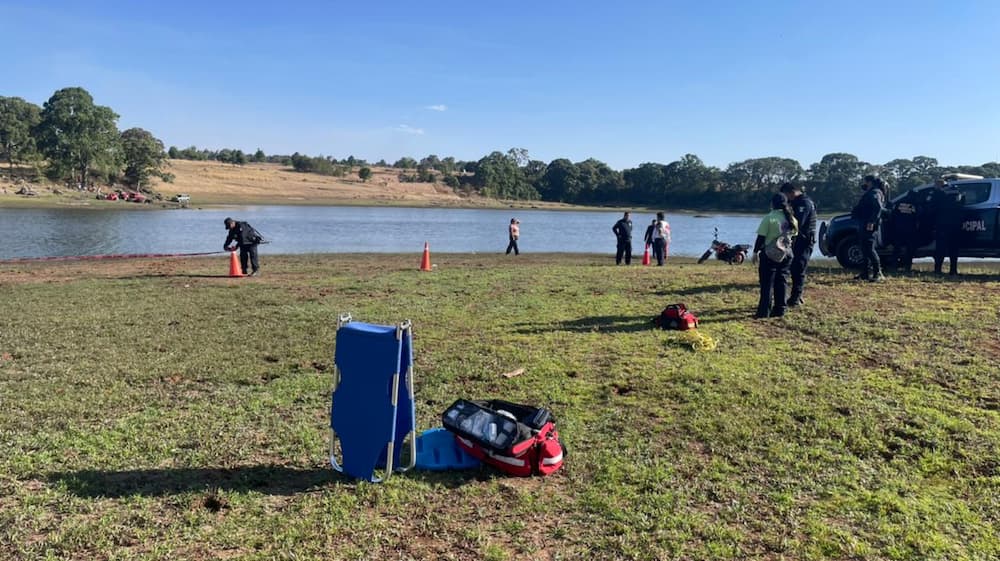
(63,202)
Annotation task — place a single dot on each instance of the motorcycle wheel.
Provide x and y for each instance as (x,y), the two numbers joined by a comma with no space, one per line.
(739,258)
(704,256)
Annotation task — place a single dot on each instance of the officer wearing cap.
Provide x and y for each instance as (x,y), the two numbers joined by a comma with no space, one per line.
(802,246)
(868,213)
(247,239)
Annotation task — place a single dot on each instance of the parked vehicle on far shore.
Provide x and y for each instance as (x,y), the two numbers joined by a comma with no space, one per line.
(980,234)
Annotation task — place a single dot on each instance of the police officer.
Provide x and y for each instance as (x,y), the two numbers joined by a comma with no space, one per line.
(247,239)
(868,213)
(904,228)
(946,205)
(623,231)
(802,246)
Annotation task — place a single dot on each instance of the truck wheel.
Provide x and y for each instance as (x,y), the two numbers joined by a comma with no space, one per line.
(849,253)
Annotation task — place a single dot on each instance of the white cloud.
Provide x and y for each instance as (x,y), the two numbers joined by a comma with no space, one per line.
(409,130)
(439,107)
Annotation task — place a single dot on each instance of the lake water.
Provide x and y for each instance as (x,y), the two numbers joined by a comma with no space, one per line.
(26,233)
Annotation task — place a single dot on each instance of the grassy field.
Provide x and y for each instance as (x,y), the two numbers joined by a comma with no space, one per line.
(158,410)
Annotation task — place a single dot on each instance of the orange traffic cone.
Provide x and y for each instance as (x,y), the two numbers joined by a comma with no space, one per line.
(645,256)
(425,263)
(235,269)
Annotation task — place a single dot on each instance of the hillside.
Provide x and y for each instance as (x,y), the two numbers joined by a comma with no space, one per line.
(215,182)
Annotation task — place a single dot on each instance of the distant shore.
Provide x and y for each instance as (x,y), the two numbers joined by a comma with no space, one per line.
(217,185)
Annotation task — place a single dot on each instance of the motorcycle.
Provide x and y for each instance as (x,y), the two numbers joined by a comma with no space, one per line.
(732,254)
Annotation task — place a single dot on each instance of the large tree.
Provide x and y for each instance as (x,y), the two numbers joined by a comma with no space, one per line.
(835,180)
(645,183)
(17,119)
(499,176)
(690,182)
(143,155)
(560,182)
(78,137)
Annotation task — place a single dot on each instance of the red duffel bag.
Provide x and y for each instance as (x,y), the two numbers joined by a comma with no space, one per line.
(517,439)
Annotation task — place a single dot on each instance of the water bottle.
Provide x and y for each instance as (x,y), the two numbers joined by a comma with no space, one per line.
(491,432)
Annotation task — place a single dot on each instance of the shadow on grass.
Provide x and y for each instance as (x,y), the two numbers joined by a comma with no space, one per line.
(708,289)
(595,324)
(725,315)
(175,276)
(266,479)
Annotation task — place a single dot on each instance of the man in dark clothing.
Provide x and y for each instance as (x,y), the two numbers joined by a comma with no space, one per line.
(904,230)
(946,204)
(648,237)
(247,239)
(623,231)
(802,246)
(868,213)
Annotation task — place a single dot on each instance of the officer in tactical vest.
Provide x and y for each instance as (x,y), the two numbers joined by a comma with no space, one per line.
(946,205)
(802,246)
(247,239)
(868,213)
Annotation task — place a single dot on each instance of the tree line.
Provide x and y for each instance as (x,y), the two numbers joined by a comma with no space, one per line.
(79,141)
(833,182)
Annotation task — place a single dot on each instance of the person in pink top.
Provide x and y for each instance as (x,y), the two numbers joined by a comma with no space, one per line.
(515,232)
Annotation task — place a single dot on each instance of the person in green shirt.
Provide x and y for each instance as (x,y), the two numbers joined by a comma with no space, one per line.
(779,223)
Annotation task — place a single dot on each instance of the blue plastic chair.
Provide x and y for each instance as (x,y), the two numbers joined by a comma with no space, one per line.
(372,409)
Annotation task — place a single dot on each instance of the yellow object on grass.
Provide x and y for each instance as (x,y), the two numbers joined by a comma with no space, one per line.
(699,341)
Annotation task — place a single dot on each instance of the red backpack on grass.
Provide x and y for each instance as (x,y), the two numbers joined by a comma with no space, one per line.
(676,316)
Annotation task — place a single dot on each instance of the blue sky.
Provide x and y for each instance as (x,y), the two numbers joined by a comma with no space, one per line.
(624,82)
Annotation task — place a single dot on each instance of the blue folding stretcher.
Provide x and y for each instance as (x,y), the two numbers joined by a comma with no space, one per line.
(372,409)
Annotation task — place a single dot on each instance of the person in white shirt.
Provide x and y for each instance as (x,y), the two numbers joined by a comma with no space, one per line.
(661,238)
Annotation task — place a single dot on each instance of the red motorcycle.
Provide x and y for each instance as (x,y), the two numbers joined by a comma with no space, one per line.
(732,254)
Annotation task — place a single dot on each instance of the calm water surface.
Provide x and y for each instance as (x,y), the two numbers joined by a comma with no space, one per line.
(298,229)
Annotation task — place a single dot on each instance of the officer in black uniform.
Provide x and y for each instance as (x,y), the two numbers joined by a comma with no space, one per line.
(946,204)
(904,230)
(623,231)
(868,213)
(247,239)
(802,246)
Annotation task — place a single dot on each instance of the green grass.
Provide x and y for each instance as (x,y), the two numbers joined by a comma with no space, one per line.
(150,410)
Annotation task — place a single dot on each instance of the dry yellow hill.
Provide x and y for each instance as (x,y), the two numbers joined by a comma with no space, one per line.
(215,183)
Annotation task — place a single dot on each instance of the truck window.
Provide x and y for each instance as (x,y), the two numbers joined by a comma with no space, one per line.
(975,193)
